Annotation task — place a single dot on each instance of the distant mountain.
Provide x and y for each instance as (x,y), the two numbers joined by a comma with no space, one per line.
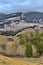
(6,16)
(28,17)
(33,16)
(2,16)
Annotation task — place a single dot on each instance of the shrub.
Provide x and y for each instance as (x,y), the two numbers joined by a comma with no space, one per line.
(22,39)
(27,38)
(28,51)
(40,48)
(36,39)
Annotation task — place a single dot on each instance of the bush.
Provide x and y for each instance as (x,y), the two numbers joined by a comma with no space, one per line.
(40,48)
(28,51)
(36,39)
(27,38)
(22,41)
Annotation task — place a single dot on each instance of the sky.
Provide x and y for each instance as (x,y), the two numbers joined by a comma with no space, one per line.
(8,6)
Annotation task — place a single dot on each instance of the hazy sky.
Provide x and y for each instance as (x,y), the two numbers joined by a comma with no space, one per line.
(8,6)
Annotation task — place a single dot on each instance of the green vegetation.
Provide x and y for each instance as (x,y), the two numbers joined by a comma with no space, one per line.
(28,51)
(22,40)
(36,39)
(40,48)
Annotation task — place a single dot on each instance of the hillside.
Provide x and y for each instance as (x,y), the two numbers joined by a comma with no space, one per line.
(34,16)
(6,16)
(28,17)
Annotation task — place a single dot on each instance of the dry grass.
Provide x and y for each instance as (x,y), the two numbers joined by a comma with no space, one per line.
(10,61)
(27,31)
(4,39)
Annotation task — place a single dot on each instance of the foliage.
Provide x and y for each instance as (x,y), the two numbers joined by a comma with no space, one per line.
(38,42)
(36,39)
(27,38)
(28,50)
(39,47)
(22,41)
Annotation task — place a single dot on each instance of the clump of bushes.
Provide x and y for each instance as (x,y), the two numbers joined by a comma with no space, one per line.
(36,39)
(28,51)
(39,47)
(22,40)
